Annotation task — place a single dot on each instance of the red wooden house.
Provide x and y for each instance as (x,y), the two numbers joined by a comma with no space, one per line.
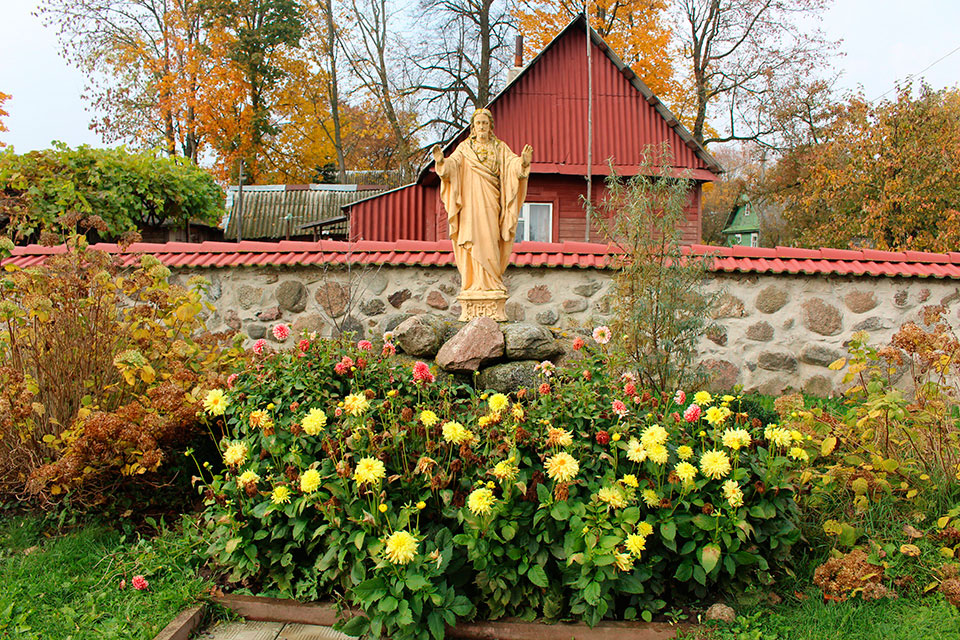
(545,106)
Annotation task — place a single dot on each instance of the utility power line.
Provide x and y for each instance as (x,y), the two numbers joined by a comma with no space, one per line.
(914,75)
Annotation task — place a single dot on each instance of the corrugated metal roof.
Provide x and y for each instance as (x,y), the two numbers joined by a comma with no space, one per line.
(271,211)
(910,264)
(546,106)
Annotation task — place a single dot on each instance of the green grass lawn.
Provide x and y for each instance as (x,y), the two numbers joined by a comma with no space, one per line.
(68,586)
(927,618)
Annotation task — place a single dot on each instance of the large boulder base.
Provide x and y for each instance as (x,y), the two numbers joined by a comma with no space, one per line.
(529,342)
(508,377)
(478,343)
(419,335)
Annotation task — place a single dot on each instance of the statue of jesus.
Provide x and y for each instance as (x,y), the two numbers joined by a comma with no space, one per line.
(482,186)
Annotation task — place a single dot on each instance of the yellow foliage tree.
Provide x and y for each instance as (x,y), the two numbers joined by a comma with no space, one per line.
(3,98)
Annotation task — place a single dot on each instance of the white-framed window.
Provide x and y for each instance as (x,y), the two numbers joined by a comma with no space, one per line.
(753,239)
(536,222)
(739,238)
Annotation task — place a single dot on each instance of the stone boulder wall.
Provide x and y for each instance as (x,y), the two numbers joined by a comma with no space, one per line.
(773,332)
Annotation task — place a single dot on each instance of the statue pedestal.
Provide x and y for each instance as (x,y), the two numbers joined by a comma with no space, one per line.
(483,304)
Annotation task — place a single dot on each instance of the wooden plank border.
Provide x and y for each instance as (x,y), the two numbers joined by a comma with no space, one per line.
(325,614)
(181,627)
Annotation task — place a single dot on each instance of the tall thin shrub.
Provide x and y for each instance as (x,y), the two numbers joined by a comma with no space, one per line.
(662,309)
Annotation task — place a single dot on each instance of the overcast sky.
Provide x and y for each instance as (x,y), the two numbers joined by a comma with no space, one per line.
(883,40)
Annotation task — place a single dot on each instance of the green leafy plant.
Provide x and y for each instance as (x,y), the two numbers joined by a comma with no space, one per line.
(127,191)
(349,472)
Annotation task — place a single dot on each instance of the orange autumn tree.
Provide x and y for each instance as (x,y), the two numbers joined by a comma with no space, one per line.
(158,73)
(882,175)
(637,30)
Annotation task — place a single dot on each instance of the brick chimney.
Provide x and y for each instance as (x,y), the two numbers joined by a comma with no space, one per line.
(514,71)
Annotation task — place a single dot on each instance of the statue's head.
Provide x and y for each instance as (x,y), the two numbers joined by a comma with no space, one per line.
(481,114)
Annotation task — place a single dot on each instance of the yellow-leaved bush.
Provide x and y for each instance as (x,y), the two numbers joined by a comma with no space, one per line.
(100,370)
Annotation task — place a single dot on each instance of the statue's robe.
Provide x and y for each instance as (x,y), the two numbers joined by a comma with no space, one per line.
(483,202)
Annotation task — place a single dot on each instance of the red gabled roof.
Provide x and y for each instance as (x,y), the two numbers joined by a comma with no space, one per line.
(782,260)
(545,106)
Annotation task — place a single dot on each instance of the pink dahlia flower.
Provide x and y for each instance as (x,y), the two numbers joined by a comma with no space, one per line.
(692,414)
(619,408)
(281,332)
(602,334)
(259,346)
(421,372)
(139,583)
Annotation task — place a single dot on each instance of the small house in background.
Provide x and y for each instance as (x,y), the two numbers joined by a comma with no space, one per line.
(291,211)
(743,225)
(545,105)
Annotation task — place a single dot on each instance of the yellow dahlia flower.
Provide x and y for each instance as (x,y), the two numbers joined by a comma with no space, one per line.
(260,419)
(498,402)
(736,438)
(369,471)
(456,433)
(559,437)
(428,418)
(505,470)
(612,496)
(236,454)
(401,547)
(684,452)
(644,529)
(481,501)
(215,402)
(658,453)
(714,415)
(702,398)
(653,436)
(733,493)
(778,436)
(248,477)
(630,480)
(355,404)
(636,545)
(798,454)
(624,561)
(635,451)
(314,422)
(685,471)
(562,467)
(714,464)
(310,481)
(280,494)
(650,497)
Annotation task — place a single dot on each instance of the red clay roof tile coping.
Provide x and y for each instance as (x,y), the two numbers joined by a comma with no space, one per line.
(584,255)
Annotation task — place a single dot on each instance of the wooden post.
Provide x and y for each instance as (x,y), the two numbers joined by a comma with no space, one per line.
(240,204)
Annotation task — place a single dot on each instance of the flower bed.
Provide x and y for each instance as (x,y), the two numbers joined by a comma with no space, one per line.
(351,474)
